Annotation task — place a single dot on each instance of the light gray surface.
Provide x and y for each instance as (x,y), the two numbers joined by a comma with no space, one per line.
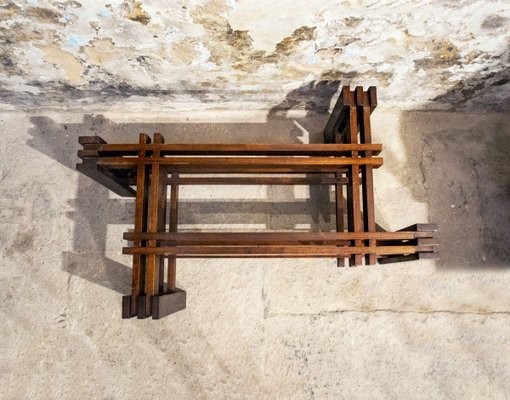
(257,329)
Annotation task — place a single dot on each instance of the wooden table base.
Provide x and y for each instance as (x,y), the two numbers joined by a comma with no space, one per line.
(149,170)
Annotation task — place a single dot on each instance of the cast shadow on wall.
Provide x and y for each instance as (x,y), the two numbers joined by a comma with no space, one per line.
(453,161)
(464,173)
(95,208)
(465,180)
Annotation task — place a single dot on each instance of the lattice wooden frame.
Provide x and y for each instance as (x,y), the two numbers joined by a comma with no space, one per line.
(347,157)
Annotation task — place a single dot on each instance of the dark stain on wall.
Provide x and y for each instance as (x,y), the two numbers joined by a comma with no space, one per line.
(136,13)
(8,65)
(67,4)
(8,10)
(301,34)
(240,40)
(352,22)
(443,54)
(492,86)
(494,22)
(44,15)
(58,93)
(253,60)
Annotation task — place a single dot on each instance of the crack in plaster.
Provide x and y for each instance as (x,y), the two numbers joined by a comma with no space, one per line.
(385,310)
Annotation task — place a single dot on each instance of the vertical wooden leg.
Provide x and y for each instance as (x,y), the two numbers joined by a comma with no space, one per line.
(353,187)
(339,211)
(130,304)
(174,199)
(367,181)
(162,227)
(156,209)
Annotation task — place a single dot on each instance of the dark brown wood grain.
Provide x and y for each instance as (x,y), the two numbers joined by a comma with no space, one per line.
(221,238)
(157,209)
(259,180)
(346,159)
(339,117)
(257,149)
(173,223)
(354,221)
(140,225)
(367,180)
(255,251)
(168,303)
(267,164)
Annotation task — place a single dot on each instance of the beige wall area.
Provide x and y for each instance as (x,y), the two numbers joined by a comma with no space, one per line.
(218,71)
(253,54)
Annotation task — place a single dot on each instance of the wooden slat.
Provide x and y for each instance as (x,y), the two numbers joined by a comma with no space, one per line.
(126,305)
(427,241)
(317,149)
(173,223)
(339,211)
(162,187)
(367,180)
(353,188)
(259,180)
(153,270)
(141,207)
(88,153)
(333,133)
(245,251)
(168,303)
(253,164)
(220,238)
(84,140)
(339,115)
(372,97)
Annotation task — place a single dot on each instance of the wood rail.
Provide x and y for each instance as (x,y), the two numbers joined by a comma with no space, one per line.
(346,162)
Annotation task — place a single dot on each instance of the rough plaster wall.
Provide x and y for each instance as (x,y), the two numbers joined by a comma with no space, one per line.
(253,54)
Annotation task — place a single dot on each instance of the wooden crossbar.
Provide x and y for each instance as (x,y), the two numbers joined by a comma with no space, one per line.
(152,171)
(265,237)
(241,164)
(255,251)
(227,149)
(258,180)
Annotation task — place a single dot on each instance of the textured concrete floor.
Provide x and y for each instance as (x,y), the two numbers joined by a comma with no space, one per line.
(257,329)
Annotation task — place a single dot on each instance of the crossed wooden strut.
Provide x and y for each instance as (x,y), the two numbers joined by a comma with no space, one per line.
(345,160)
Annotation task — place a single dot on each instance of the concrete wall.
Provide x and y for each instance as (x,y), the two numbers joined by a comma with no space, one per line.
(246,54)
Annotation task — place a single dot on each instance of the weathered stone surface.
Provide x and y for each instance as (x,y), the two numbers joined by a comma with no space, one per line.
(387,355)
(256,329)
(220,54)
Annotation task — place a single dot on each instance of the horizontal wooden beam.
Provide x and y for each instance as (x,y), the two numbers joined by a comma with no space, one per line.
(91,140)
(296,238)
(317,149)
(258,180)
(242,164)
(245,251)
